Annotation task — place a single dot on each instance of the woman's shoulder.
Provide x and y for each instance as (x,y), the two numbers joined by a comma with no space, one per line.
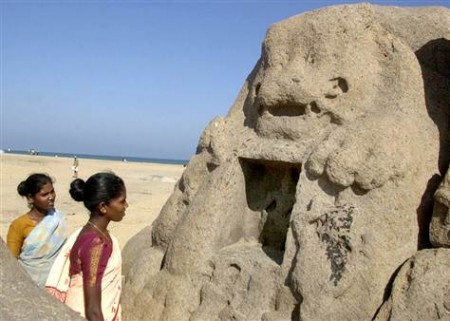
(89,238)
(89,245)
(22,220)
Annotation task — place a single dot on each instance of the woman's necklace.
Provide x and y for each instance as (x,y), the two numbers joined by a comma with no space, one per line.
(98,229)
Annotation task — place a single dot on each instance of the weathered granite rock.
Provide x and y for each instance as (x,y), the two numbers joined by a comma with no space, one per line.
(20,297)
(303,202)
(421,289)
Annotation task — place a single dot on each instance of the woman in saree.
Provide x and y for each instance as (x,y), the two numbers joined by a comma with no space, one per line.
(36,237)
(87,275)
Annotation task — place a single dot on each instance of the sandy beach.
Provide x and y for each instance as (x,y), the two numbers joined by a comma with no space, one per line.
(148,187)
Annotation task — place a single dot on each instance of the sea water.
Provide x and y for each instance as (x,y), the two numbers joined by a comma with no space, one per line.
(100,157)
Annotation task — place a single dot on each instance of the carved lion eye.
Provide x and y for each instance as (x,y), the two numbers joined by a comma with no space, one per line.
(340,83)
(338,86)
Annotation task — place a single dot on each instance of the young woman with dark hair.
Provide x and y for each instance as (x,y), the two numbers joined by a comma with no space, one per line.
(87,274)
(36,237)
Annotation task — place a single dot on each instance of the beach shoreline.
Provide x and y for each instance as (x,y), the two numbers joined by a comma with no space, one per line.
(34,152)
(148,187)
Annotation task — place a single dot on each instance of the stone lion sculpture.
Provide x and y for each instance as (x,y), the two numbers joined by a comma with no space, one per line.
(306,199)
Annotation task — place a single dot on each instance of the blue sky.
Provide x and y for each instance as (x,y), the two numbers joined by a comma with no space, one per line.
(129,78)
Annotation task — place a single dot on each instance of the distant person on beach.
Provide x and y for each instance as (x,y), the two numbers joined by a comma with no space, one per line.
(36,237)
(75,167)
(87,274)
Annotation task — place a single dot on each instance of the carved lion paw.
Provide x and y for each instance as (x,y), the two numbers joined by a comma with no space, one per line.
(367,154)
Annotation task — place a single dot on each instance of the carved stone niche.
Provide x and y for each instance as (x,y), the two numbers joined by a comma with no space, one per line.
(270,192)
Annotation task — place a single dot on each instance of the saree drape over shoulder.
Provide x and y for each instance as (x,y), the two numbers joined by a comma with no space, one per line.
(42,246)
(88,259)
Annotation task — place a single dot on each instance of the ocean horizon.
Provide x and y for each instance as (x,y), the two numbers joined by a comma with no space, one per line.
(99,157)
